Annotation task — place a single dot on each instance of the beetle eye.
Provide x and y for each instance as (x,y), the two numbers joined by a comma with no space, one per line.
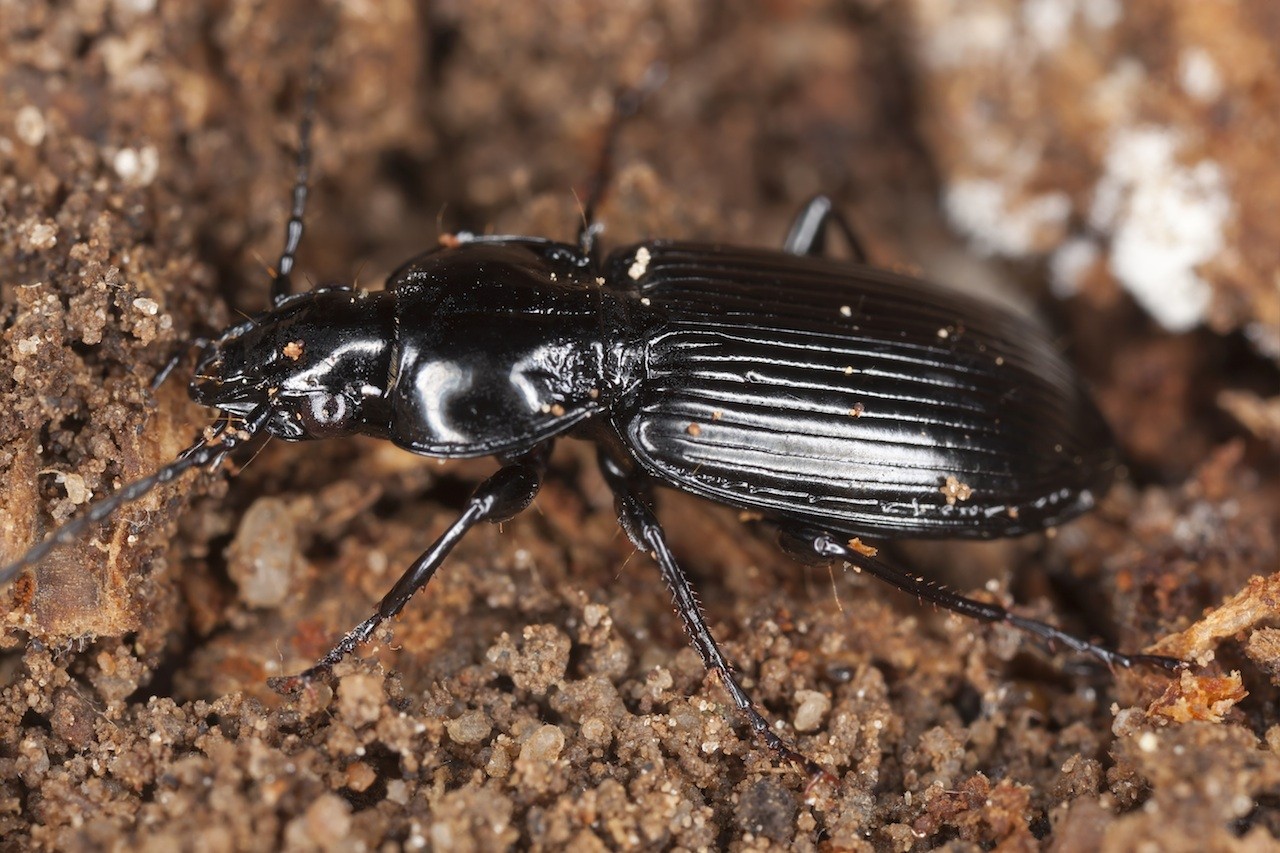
(324,413)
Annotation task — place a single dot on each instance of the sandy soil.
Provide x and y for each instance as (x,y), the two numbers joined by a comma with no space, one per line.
(541,693)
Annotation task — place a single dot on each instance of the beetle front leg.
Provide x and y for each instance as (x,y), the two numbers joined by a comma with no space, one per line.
(505,494)
(808,542)
(635,513)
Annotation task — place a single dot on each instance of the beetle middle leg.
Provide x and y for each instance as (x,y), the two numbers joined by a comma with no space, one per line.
(633,499)
(808,543)
(504,495)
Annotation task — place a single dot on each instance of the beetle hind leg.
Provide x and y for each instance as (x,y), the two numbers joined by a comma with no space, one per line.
(808,234)
(809,543)
(505,494)
(636,515)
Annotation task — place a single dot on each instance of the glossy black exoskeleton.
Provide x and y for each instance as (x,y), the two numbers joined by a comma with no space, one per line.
(837,400)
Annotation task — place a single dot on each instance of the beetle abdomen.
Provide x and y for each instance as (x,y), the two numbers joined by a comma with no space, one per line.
(855,399)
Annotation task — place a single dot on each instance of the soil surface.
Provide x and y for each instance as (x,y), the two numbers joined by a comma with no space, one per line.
(541,692)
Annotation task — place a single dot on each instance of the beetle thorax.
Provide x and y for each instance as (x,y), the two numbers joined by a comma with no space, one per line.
(471,381)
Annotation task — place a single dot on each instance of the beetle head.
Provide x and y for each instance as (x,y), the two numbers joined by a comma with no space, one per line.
(318,360)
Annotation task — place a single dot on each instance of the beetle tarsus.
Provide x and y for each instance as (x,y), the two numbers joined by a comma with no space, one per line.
(1165,662)
(293,684)
(829,545)
(1110,657)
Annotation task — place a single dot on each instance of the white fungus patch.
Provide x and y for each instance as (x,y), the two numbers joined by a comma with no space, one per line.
(1115,97)
(971,32)
(998,223)
(1198,75)
(1048,22)
(962,33)
(1165,219)
(1264,336)
(1069,263)
(1101,14)
(136,7)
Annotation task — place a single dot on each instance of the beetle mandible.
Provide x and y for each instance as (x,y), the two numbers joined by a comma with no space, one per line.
(837,400)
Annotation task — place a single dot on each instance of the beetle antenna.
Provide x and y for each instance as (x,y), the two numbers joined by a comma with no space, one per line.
(178,355)
(280,279)
(208,450)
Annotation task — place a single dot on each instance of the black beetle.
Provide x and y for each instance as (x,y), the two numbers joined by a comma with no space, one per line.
(836,400)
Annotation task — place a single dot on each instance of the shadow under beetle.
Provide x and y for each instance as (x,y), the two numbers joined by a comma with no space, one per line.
(836,400)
